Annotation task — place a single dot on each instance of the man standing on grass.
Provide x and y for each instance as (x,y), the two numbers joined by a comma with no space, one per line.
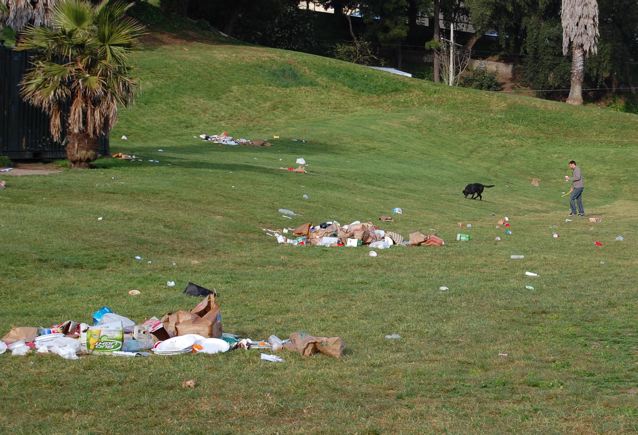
(576,197)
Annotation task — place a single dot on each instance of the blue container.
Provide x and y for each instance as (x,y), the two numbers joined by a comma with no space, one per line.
(97,316)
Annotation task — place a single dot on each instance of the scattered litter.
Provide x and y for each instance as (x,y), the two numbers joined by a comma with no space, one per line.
(149,262)
(517,257)
(275,137)
(138,258)
(224,139)
(100,218)
(502,354)
(597,243)
(6,169)
(602,262)
(271,358)
(193,289)
(124,137)
(508,232)
(299,169)
(134,292)
(620,238)
(568,220)
(444,288)
(397,210)
(170,283)
(469,226)
(497,238)
(529,287)
(198,331)
(555,235)
(300,161)
(189,384)
(122,156)
(160,150)
(372,254)
(531,274)
(595,219)
(3,184)
(461,237)
(386,218)
(286,212)
(393,337)
(536,182)
(305,196)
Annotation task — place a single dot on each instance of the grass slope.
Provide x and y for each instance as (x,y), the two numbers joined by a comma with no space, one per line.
(374,142)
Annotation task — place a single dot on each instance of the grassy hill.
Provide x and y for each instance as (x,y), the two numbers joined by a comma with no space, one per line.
(488,355)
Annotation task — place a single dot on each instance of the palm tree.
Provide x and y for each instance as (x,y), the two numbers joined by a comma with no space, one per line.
(580,29)
(81,72)
(17,14)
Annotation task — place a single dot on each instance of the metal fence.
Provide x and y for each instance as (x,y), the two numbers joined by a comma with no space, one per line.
(24,129)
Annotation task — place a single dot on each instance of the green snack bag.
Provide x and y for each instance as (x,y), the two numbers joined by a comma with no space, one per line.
(111,338)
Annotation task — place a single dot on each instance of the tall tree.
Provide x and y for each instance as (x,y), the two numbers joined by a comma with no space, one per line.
(81,72)
(580,30)
(387,21)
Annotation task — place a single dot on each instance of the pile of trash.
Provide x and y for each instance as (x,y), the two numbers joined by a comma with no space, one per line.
(224,139)
(196,331)
(356,234)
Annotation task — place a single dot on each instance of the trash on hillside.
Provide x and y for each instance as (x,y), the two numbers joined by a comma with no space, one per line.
(497,238)
(271,358)
(595,219)
(138,258)
(24,333)
(393,337)
(170,283)
(6,169)
(287,212)
(373,254)
(176,334)
(461,237)
(300,161)
(332,234)
(529,287)
(3,184)
(619,238)
(531,274)
(298,169)
(100,218)
(568,220)
(502,354)
(122,156)
(386,218)
(597,243)
(189,384)
(124,137)
(224,139)
(517,257)
(555,235)
(308,345)
(443,288)
(536,182)
(193,289)
(397,210)
(306,196)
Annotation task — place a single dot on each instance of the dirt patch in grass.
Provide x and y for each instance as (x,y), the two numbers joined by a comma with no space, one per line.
(34,169)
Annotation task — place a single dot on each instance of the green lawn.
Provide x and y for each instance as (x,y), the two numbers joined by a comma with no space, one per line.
(373,142)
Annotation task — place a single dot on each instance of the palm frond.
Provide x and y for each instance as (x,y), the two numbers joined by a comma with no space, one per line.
(580,25)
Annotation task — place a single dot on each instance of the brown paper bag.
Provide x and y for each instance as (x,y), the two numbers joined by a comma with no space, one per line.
(209,310)
(417,238)
(308,345)
(302,230)
(26,333)
(196,326)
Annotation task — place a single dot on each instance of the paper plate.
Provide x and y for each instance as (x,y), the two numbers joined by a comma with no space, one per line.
(213,345)
(178,343)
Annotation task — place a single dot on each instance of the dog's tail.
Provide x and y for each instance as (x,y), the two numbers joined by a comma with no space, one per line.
(489,185)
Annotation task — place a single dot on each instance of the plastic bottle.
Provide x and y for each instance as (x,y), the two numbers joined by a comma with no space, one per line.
(275,343)
(463,237)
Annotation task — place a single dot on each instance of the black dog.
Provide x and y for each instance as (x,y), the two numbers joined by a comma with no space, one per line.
(475,189)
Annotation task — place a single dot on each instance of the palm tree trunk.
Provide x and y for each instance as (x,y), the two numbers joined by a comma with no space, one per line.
(578,74)
(437,38)
(81,149)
